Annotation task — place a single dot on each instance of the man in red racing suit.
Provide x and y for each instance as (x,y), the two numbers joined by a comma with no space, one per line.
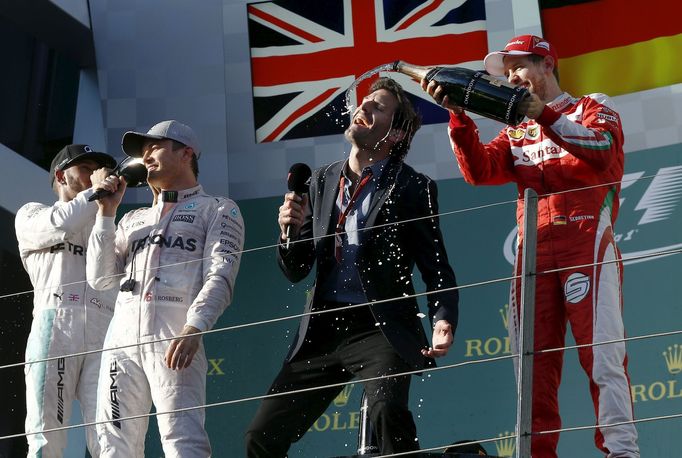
(571,153)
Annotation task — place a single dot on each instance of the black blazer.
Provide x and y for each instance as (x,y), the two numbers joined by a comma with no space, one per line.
(385,271)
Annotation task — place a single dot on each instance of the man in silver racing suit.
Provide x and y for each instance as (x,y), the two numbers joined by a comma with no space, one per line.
(68,316)
(180,259)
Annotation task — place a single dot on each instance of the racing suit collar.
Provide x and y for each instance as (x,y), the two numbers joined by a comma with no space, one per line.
(179,196)
(560,102)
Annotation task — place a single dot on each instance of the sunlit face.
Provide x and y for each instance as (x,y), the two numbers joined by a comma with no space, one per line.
(77,177)
(163,164)
(371,122)
(522,71)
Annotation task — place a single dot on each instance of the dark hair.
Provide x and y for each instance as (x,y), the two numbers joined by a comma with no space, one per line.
(534,58)
(405,118)
(194,164)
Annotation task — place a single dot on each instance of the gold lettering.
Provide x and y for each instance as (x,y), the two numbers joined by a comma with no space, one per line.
(656,397)
(656,391)
(322,423)
(492,346)
(354,419)
(638,391)
(215,366)
(473,344)
(671,390)
(336,426)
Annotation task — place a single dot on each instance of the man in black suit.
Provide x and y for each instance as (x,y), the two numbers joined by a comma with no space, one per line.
(364,254)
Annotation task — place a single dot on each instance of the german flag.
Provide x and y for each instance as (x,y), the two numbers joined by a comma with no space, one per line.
(614,46)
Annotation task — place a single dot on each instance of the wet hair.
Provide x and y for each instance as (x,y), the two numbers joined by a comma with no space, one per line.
(534,58)
(194,164)
(405,118)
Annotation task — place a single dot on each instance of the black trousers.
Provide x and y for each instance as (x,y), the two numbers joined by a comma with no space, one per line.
(339,346)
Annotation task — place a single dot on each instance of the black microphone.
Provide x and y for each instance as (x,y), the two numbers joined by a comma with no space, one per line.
(298,181)
(135,174)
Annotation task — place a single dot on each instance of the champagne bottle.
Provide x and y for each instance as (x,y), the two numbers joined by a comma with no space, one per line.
(473,90)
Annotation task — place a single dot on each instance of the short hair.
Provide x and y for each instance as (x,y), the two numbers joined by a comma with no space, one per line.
(405,118)
(534,58)
(194,164)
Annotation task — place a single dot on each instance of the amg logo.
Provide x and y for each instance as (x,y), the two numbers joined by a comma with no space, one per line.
(61,365)
(113,395)
(184,218)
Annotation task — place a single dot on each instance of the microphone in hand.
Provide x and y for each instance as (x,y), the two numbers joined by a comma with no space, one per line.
(134,172)
(298,181)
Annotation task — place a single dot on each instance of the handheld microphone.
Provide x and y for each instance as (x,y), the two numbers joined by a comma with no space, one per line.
(298,181)
(134,172)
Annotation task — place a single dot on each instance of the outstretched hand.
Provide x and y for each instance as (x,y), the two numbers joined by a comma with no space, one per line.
(442,340)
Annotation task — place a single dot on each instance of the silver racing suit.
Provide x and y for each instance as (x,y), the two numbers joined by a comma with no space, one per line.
(180,270)
(68,317)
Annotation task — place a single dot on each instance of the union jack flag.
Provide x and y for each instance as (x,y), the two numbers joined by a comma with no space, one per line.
(306,53)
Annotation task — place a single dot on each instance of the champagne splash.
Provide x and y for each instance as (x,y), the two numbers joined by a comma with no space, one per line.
(350,92)
(473,90)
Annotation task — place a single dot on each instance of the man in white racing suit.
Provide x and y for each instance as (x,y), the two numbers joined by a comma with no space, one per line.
(180,259)
(68,316)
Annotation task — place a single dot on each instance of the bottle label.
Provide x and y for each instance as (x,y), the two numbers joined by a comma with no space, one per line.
(468,90)
(497,82)
(493,81)
(510,106)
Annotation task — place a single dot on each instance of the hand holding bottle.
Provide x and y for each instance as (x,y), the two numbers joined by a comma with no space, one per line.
(439,94)
(532,106)
(475,91)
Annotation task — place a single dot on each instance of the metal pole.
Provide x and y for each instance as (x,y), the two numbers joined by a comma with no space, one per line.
(524,406)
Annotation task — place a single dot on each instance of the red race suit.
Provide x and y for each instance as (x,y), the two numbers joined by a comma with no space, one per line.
(574,144)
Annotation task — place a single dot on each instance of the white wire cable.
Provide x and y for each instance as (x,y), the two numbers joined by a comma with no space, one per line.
(272,320)
(266,247)
(266,396)
(664,253)
(540,433)
(608,342)
(336,385)
(269,247)
(609,425)
(316,312)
